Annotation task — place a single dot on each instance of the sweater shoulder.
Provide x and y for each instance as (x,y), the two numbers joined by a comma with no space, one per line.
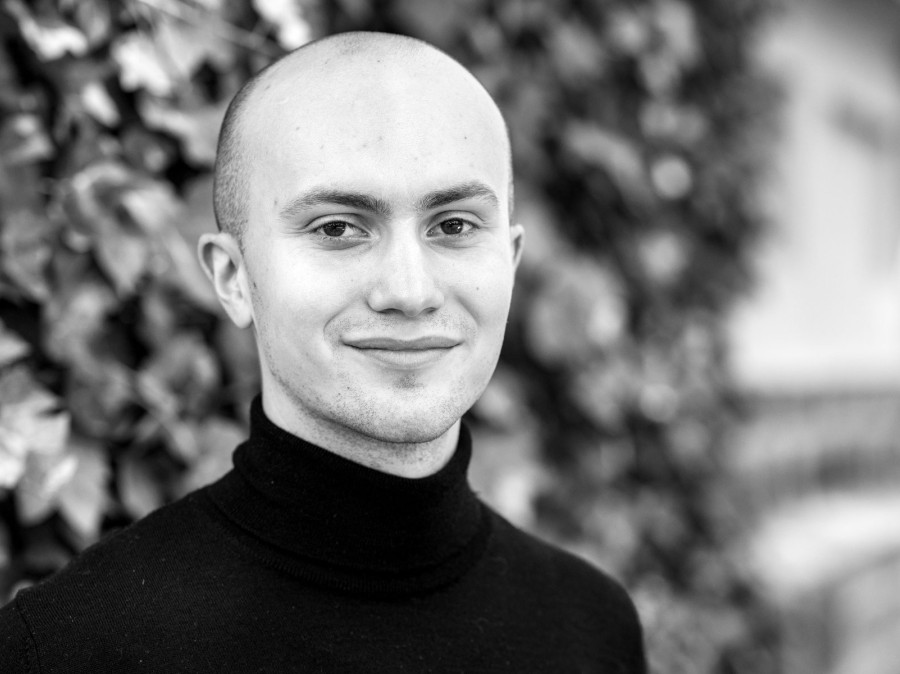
(128,579)
(567,571)
(17,648)
(590,603)
(154,543)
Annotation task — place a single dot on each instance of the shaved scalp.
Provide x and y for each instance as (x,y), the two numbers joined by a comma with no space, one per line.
(233,165)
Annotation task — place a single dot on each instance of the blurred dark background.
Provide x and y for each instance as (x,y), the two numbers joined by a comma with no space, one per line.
(699,386)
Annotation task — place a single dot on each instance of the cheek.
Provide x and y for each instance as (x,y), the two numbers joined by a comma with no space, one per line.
(487,294)
(307,301)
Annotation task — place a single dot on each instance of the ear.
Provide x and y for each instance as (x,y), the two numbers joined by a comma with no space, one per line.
(222,260)
(517,238)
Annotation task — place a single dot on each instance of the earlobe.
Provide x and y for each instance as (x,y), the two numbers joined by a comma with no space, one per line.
(223,262)
(517,238)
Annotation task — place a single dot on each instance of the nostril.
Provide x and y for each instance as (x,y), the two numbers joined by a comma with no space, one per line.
(408,289)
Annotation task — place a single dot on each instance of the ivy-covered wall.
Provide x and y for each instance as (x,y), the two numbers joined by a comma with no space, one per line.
(640,132)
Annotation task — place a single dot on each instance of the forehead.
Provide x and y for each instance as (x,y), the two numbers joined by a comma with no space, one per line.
(390,129)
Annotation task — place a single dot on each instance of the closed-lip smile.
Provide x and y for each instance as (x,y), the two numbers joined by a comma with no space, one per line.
(395,344)
(403,354)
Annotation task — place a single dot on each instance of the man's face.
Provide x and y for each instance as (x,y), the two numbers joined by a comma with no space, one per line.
(379,256)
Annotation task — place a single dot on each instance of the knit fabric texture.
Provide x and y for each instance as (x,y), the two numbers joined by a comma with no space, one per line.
(299,560)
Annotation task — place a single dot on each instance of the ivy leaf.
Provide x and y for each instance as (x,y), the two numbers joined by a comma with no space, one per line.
(149,151)
(677,24)
(23,140)
(577,53)
(502,404)
(82,500)
(158,315)
(216,439)
(664,256)
(142,66)
(45,475)
(19,387)
(73,319)
(193,42)
(196,219)
(26,251)
(628,30)
(124,256)
(606,391)
(95,201)
(185,273)
(181,376)
(292,28)
(149,62)
(13,455)
(98,103)
(613,152)
(93,18)
(138,487)
(47,34)
(577,312)
(12,347)
(682,124)
(151,204)
(509,475)
(28,423)
(97,393)
(197,128)
(434,20)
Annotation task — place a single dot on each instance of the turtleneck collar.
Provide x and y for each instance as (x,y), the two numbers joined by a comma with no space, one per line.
(339,523)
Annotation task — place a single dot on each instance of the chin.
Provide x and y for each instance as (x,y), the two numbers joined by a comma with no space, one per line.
(411,427)
(397,414)
(404,417)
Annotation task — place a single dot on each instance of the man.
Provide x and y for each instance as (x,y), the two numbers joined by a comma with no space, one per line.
(363,198)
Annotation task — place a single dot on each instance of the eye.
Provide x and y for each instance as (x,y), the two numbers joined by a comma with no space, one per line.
(338,229)
(453,227)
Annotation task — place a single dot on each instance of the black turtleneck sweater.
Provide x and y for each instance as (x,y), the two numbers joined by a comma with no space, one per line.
(301,561)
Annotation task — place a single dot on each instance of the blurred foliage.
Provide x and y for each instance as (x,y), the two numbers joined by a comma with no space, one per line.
(639,129)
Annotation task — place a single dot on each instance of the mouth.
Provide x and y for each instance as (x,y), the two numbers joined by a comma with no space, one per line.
(404,354)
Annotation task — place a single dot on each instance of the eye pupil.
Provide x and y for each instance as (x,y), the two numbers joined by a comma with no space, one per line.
(452,227)
(334,228)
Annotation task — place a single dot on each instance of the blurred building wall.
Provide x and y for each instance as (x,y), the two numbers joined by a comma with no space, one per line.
(817,348)
(827,313)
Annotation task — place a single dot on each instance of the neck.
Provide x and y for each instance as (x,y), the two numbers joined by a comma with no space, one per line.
(339,523)
(413,459)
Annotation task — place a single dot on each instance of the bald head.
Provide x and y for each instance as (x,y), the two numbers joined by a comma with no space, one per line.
(375,75)
(363,182)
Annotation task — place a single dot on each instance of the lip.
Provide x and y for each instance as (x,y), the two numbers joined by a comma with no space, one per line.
(425,343)
(404,354)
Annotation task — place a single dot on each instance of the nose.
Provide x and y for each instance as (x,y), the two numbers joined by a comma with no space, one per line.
(405,282)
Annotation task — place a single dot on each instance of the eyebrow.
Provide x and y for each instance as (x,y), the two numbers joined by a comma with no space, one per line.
(323,197)
(367,202)
(470,190)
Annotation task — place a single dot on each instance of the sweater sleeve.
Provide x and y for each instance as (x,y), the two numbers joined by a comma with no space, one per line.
(17,648)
